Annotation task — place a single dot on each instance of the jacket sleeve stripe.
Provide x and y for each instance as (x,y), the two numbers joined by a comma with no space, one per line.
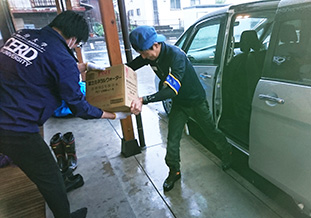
(172,82)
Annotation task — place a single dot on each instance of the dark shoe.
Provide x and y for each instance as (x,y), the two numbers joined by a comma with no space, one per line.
(70,149)
(81,213)
(73,182)
(226,160)
(56,143)
(170,180)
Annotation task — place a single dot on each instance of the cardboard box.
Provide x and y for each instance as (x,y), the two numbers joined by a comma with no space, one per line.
(112,89)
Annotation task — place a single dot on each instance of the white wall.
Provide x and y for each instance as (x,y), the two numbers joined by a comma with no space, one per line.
(191,14)
(173,17)
(167,16)
(20,4)
(146,10)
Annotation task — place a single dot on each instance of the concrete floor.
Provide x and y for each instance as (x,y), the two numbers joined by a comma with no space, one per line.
(121,187)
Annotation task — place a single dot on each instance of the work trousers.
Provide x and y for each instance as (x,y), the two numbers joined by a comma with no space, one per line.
(178,117)
(33,156)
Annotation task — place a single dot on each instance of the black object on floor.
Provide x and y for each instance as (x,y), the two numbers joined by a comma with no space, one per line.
(73,182)
(81,213)
(130,148)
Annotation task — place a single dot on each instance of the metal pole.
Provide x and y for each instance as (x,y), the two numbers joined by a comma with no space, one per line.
(129,57)
(6,22)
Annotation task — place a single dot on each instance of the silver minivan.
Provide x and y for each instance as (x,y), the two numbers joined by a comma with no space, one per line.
(254,61)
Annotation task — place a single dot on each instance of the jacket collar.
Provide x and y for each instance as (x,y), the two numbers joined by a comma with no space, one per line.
(61,39)
(163,47)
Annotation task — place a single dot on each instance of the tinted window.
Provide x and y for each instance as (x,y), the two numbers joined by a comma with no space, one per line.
(202,48)
(291,51)
(181,41)
(260,22)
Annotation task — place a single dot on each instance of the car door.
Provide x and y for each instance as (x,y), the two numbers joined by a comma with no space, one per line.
(204,49)
(280,127)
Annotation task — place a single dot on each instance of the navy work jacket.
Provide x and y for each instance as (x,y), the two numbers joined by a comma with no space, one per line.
(37,71)
(175,70)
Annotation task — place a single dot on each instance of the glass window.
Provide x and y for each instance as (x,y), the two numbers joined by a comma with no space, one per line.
(181,41)
(183,38)
(289,57)
(138,11)
(195,2)
(291,60)
(42,3)
(260,22)
(203,46)
(246,22)
(175,4)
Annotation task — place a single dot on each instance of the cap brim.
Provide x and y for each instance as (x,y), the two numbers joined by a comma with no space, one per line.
(160,38)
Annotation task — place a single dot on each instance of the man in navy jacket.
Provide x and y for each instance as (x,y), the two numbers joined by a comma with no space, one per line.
(180,83)
(37,71)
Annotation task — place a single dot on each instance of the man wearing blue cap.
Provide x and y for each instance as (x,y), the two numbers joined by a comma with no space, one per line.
(181,84)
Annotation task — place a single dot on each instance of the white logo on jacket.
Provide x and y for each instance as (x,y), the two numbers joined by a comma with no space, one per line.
(19,51)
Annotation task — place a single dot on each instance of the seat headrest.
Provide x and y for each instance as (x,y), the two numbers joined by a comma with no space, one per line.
(288,33)
(249,40)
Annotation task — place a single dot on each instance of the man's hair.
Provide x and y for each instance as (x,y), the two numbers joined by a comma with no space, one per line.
(137,49)
(71,24)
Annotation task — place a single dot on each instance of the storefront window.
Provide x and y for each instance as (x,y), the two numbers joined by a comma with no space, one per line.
(33,14)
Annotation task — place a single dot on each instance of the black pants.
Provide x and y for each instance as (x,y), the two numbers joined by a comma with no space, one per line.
(33,156)
(178,117)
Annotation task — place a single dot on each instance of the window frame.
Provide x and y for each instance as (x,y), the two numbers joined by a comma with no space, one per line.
(175,5)
(220,19)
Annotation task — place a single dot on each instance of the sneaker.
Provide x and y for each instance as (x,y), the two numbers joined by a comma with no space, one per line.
(170,180)
(81,213)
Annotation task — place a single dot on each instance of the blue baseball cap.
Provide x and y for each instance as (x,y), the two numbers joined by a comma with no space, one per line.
(143,37)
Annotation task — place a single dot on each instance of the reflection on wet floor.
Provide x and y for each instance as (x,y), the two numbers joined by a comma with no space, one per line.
(132,187)
(121,187)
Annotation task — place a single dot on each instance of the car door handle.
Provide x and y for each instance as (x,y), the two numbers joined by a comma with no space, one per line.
(271,98)
(205,76)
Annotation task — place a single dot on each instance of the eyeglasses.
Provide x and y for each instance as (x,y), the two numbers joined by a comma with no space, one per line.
(80,44)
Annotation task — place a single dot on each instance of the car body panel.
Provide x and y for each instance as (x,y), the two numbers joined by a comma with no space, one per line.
(280,124)
(280,136)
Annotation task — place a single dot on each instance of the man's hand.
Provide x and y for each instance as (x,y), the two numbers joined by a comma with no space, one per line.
(136,106)
(82,67)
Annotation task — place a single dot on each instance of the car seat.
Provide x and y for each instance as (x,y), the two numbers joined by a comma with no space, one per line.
(287,54)
(246,73)
(241,76)
(287,40)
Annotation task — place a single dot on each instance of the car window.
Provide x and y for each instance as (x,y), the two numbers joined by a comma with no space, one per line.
(291,57)
(181,41)
(248,22)
(260,22)
(202,48)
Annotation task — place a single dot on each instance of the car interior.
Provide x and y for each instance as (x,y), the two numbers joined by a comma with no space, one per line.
(240,77)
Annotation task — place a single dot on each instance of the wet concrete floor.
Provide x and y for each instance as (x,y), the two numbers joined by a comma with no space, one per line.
(121,187)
